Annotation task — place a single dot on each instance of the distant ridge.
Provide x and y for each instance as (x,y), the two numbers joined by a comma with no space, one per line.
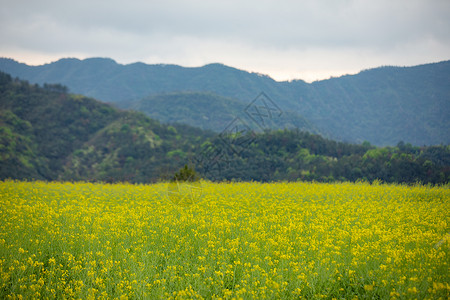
(383,105)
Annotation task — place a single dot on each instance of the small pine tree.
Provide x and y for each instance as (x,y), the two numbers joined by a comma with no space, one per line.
(186,174)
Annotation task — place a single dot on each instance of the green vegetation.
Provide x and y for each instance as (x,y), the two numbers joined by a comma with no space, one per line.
(186,174)
(382,106)
(210,111)
(294,155)
(48,134)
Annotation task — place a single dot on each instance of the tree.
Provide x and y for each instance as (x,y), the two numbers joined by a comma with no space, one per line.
(186,174)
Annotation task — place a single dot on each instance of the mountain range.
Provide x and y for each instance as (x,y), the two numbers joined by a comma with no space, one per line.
(47,133)
(383,106)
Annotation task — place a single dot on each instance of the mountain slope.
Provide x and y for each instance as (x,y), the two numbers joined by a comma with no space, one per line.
(383,105)
(210,111)
(49,134)
(386,105)
(17,149)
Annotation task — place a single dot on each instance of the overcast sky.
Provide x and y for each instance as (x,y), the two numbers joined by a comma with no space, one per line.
(309,40)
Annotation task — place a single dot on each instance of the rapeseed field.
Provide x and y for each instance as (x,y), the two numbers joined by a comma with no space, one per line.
(239,240)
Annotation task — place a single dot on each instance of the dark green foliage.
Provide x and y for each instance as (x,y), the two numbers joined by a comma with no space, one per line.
(383,105)
(186,174)
(58,122)
(18,149)
(48,134)
(386,105)
(210,111)
(197,109)
(294,155)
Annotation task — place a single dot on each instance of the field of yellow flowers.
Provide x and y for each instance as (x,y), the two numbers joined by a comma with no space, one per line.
(240,240)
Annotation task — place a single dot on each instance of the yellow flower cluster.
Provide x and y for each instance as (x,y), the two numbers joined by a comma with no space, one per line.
(239,241)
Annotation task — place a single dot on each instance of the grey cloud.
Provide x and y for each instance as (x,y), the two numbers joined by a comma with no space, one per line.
(168,29)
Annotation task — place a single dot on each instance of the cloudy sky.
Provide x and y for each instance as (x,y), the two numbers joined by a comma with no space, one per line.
(286,39)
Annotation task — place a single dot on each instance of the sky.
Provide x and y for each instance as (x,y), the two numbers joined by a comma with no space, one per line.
(285,39)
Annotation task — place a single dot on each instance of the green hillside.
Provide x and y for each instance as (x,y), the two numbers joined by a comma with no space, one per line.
(210,111)
(48,134)
(386,105)
(383,105)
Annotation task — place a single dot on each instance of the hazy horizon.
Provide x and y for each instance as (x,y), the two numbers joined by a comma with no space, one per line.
(325,77)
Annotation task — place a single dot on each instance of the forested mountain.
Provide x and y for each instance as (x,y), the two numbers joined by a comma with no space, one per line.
(383,106)
(48,134)
(210,111)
